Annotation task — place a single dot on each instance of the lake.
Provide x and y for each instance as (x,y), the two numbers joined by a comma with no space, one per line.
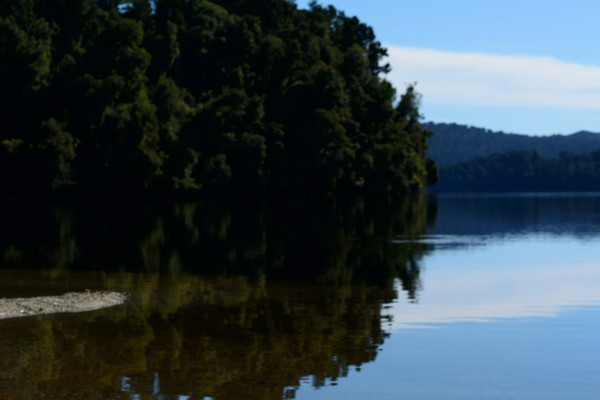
(438,297)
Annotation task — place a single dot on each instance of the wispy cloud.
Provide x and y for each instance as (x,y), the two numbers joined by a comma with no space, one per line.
(475,79)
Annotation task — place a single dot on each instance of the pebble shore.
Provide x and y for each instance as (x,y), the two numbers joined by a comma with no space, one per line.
(68,302)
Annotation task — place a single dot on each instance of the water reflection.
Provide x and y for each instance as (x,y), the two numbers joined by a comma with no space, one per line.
(222,337)
(256,300)
(506,256)
(337,242)
(529,277)
(242,301)
(554,214)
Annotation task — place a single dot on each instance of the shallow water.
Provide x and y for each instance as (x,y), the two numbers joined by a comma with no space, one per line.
(457,297)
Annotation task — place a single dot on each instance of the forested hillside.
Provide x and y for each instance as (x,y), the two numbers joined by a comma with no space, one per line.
(453,143)
(109,96)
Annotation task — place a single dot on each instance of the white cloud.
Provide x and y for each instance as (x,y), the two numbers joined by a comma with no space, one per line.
(474,79)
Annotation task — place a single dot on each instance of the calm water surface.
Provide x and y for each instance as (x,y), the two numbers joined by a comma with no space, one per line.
(448,297)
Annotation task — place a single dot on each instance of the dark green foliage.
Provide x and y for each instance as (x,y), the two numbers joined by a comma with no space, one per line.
(523,171)
(125,96)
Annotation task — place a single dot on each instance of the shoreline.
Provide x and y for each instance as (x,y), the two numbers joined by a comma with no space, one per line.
(72,302)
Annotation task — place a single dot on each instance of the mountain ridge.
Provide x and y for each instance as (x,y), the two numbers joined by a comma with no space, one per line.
(454,143)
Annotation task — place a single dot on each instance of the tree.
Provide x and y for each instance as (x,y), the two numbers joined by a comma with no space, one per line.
(163,95)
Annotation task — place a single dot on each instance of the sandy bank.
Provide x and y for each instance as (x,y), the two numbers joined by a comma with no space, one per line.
(69,302)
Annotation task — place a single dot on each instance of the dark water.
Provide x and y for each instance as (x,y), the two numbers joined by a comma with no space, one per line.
(458,297)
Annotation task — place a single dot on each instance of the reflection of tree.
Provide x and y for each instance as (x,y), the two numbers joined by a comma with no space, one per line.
(219,337)
(227,301)
(564,214)
(333,242)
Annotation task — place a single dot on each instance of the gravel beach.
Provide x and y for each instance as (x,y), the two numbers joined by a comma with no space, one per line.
(68,302)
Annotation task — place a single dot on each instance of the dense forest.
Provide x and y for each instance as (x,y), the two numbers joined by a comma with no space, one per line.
(454,143)
(523,170)
(114,97)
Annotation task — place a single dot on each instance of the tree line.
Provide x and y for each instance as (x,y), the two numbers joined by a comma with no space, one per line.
(109,96)
(523,170)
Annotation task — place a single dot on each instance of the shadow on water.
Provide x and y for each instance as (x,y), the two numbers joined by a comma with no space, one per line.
(333,242)
(242,301)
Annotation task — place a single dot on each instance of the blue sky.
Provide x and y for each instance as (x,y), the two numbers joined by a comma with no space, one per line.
(525,66)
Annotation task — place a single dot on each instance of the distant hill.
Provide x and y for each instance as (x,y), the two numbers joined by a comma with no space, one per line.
(453,143)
